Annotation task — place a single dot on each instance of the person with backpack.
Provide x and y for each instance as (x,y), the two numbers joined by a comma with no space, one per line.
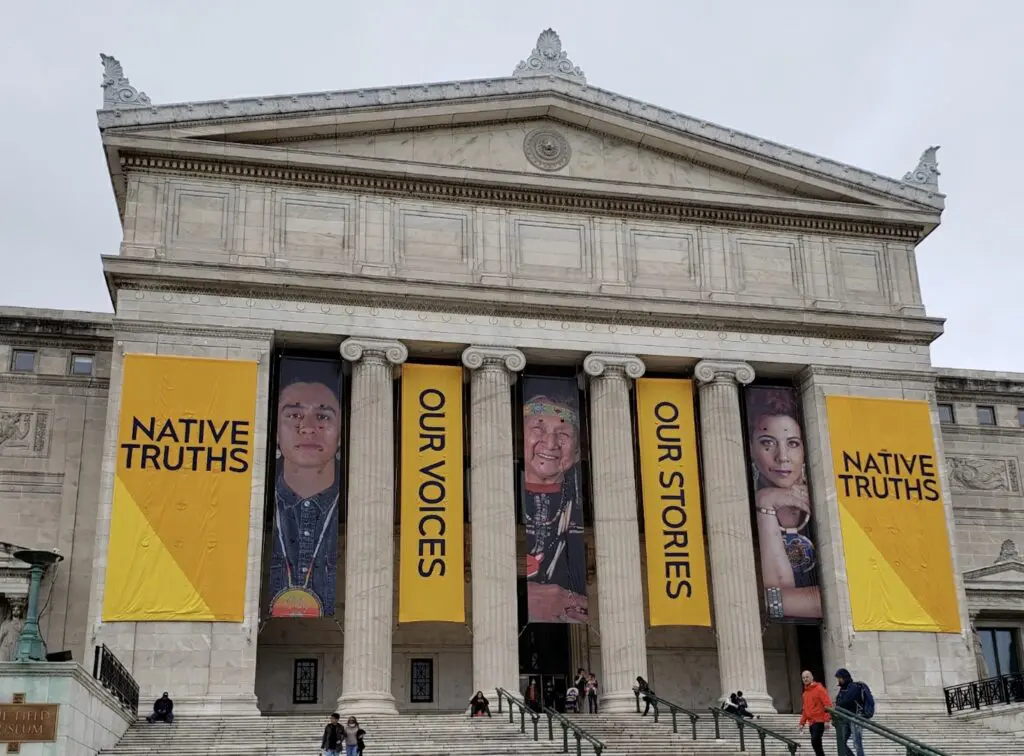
(856,698)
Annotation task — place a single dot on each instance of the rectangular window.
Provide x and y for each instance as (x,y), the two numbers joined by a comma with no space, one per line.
(986,415)
(999,648)
(1020,416)
(946,414)
(23,361)
(81,364)
(421,689)
(304,685)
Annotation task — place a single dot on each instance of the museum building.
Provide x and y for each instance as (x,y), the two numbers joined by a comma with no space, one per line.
(421,390)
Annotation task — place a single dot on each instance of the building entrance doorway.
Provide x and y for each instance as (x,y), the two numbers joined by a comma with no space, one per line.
(545,656)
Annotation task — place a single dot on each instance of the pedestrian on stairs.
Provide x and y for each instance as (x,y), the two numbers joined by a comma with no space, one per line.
(592,693)
(330,743)
(643,689)
(856,698)
(815,702)
(354,744)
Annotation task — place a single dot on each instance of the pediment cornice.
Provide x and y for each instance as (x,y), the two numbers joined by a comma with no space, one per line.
(571,99)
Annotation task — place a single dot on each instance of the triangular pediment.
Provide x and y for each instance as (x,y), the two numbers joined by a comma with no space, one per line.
(1002,576)
(541,146)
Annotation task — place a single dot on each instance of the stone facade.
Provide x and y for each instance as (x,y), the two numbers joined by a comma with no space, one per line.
(533,221)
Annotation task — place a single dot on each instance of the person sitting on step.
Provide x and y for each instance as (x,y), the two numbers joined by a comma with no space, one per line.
(479,705)
(163,710)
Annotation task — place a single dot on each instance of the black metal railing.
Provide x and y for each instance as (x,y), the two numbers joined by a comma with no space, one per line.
(763,733)
(675,709)
(113,676)
(524,712)
(578,733)
(1005,689)
(843,719)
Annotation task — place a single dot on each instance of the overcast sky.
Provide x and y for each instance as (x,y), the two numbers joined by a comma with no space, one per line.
(867,82)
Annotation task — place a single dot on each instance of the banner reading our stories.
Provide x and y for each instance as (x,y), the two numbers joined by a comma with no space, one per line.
(677,582)
(895,538)
(179,532)
(307,488)
(431,548)
(783,507)
(552,501)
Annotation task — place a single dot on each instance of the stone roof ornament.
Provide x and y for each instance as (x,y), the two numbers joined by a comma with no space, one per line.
(1008,552)
(117,90)
(927,172)
(548,58)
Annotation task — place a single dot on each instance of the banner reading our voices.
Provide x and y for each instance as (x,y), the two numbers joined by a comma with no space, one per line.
(179,530)
(431,549)
(898,560)
(677,581)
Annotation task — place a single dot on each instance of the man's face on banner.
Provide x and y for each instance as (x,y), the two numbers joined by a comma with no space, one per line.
(549,447)
(308,425)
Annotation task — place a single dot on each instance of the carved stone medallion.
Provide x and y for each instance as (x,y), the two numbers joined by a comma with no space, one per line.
(547,149)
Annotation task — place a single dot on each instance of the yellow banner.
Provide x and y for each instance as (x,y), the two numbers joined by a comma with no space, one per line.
(431,551)
(895,537)
(179,530)
(677,580)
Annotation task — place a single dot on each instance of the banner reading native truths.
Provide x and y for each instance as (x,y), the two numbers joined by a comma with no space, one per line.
(782,503)
(895,537)
(677,581)
(431,548)
(307,488)
(552,501)
(179,530)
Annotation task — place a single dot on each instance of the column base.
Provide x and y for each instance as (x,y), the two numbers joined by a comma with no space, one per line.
(210,705)
(370,702)
(616,702)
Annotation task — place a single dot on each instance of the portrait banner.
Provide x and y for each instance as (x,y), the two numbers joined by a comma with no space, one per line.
(677,580)
(307,488)
(179,531)
(552,501)
(431,549)
(895,538)
(783,508)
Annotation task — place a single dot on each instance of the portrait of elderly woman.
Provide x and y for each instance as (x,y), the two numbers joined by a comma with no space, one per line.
(782,503)
(556,562)
(304,557)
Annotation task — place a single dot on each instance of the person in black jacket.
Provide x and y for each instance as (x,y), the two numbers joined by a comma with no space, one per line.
(163,710)
(643,689)
(333,737)
(849,697)
(479,705)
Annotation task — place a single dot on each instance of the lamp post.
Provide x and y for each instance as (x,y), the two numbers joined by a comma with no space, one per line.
(30,642)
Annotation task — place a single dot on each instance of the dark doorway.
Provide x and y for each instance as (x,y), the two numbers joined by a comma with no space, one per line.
(808,644)
(545,655)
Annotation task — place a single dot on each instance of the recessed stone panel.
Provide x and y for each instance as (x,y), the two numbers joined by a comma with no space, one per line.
(200,216)
(664,259)
(24,432)
(552,248)
(862,271)
(311,231)
(767,266)
(429,240)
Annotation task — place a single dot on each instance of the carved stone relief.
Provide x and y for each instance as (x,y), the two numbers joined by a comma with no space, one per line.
(986,475)
(547,149)
(1008,552)
(24,433)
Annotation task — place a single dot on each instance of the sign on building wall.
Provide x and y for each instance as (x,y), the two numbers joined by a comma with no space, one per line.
(307,488)
(783,508)
(552,501)
(431,547)
(677,580)
(179,530)
(898,561)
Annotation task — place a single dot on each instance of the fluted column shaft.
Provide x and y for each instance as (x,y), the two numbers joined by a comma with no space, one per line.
(370,545)
(493,508)
(730,540)
(616,531)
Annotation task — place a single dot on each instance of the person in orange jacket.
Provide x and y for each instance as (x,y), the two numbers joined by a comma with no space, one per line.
(816,698)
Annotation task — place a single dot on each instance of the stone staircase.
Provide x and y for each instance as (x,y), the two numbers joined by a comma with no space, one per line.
(458,735)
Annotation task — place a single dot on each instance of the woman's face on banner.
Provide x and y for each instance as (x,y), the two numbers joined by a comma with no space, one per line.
(549,448)
(777,447)
(308,425)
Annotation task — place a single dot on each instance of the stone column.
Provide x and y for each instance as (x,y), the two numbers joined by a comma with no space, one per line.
(730,539)
(370,541)
(616,531)
(493,506)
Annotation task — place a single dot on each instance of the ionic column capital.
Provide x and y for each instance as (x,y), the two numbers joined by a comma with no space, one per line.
(711,371)
(374,350)
(492,357)
(600,364)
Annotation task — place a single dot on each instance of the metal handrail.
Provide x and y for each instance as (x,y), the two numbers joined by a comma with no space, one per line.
(673,708)
(579,733)
(116,678)
(989,691)
(914,747)
(523,711)
(762,731)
